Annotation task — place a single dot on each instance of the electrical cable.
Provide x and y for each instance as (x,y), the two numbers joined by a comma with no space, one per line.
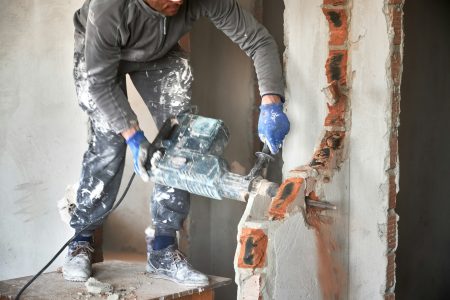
(75,236)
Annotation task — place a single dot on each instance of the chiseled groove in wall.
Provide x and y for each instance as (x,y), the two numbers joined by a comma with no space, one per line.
(329,154)
(393,10)
(327,159)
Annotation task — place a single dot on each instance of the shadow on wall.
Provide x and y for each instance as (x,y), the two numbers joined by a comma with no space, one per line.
(424,236)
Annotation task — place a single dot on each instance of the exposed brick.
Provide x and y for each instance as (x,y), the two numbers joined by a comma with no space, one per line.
(331,141)
(336,113)
(395,107)
(286,194)
(396,67)
(389,296)
(397,23)
(334,2)
(392,192)
(393,145)
(253,246)
(390,274)
(338,25)
(336,66)
(392,231)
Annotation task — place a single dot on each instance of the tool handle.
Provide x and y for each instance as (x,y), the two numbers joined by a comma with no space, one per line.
(170,124)
(264,157)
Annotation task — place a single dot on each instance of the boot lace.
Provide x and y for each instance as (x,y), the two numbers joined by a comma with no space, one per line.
(82,249)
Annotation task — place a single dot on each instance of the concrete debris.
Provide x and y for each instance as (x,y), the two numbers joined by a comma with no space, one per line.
(94,286)
(113,297)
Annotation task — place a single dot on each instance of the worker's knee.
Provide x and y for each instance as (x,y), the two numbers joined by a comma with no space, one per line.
(169,199)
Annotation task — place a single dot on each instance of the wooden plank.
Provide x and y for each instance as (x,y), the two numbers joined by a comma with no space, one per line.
(128,279)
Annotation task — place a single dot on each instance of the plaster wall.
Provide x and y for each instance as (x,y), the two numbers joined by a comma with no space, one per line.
(44,137)
(42,132)
(369,150)
(359,188)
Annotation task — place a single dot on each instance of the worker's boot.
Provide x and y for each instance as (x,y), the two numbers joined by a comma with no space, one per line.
(169,263)
(77,264)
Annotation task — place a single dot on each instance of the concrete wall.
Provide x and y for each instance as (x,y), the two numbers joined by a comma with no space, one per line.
(42,130)
(340,254)
(44,137)
(424,240)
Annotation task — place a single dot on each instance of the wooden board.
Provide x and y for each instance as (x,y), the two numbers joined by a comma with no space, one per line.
(128,279)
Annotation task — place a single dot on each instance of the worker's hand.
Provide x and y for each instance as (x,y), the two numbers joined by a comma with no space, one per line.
(273,125)
(139,146)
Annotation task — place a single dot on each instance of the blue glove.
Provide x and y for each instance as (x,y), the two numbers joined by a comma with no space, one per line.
(273,125)
(139,148)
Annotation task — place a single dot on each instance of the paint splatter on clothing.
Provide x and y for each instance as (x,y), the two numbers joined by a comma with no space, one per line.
(165,86)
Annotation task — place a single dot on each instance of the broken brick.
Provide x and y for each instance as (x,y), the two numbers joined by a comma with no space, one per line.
(390,277)
(253,246)
(334,2)
(338,25)
(397,23)
(323,155)
(336,113)
(336,66)
(286,194)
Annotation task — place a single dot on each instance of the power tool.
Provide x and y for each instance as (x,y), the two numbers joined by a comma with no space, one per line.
(187,154)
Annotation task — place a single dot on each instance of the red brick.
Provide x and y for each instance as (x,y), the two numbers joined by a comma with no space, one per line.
(396,67)
(338,25)
(392,192)
(389,296)
(253,247)
(392,231)
(336,66)
(286,194)
(330,142)
(395,114)
(397,23)
(393,145)
(336,113)
(334,2)
(390,271)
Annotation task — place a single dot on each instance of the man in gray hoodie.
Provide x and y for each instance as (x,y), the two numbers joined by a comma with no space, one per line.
(140,38)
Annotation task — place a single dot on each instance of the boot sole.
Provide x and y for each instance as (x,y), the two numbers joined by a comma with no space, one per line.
(75,278)
(154,274)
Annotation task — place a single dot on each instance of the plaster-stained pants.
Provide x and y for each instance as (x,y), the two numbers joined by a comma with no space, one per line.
(165,86)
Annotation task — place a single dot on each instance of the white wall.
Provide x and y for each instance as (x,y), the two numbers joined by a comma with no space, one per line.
(42,130)
(43,138)
(359,188)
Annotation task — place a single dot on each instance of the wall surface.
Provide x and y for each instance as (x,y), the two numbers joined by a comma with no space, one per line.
(340,76)
(424,240)
(44,137)
(43,130)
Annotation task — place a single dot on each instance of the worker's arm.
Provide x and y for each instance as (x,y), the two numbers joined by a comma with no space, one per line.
(242,28)
(102,55)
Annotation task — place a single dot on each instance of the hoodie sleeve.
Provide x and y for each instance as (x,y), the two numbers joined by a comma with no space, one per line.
(102,54)
(253,38)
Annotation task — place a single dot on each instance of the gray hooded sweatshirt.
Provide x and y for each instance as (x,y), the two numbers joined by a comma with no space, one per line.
(130,30)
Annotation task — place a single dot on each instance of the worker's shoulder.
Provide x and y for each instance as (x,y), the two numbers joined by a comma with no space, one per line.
(212,5)
(110,7)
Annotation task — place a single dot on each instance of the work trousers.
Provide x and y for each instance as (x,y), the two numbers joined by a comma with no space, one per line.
(165,87)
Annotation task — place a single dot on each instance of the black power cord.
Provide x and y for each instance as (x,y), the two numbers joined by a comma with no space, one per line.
(75,236)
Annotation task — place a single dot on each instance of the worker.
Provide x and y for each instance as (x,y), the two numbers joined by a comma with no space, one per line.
(140,38)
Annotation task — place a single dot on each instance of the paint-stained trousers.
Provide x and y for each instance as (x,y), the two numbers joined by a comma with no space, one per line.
(165,87)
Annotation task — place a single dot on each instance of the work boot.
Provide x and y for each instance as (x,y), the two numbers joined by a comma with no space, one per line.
(169,263)
(77,264)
